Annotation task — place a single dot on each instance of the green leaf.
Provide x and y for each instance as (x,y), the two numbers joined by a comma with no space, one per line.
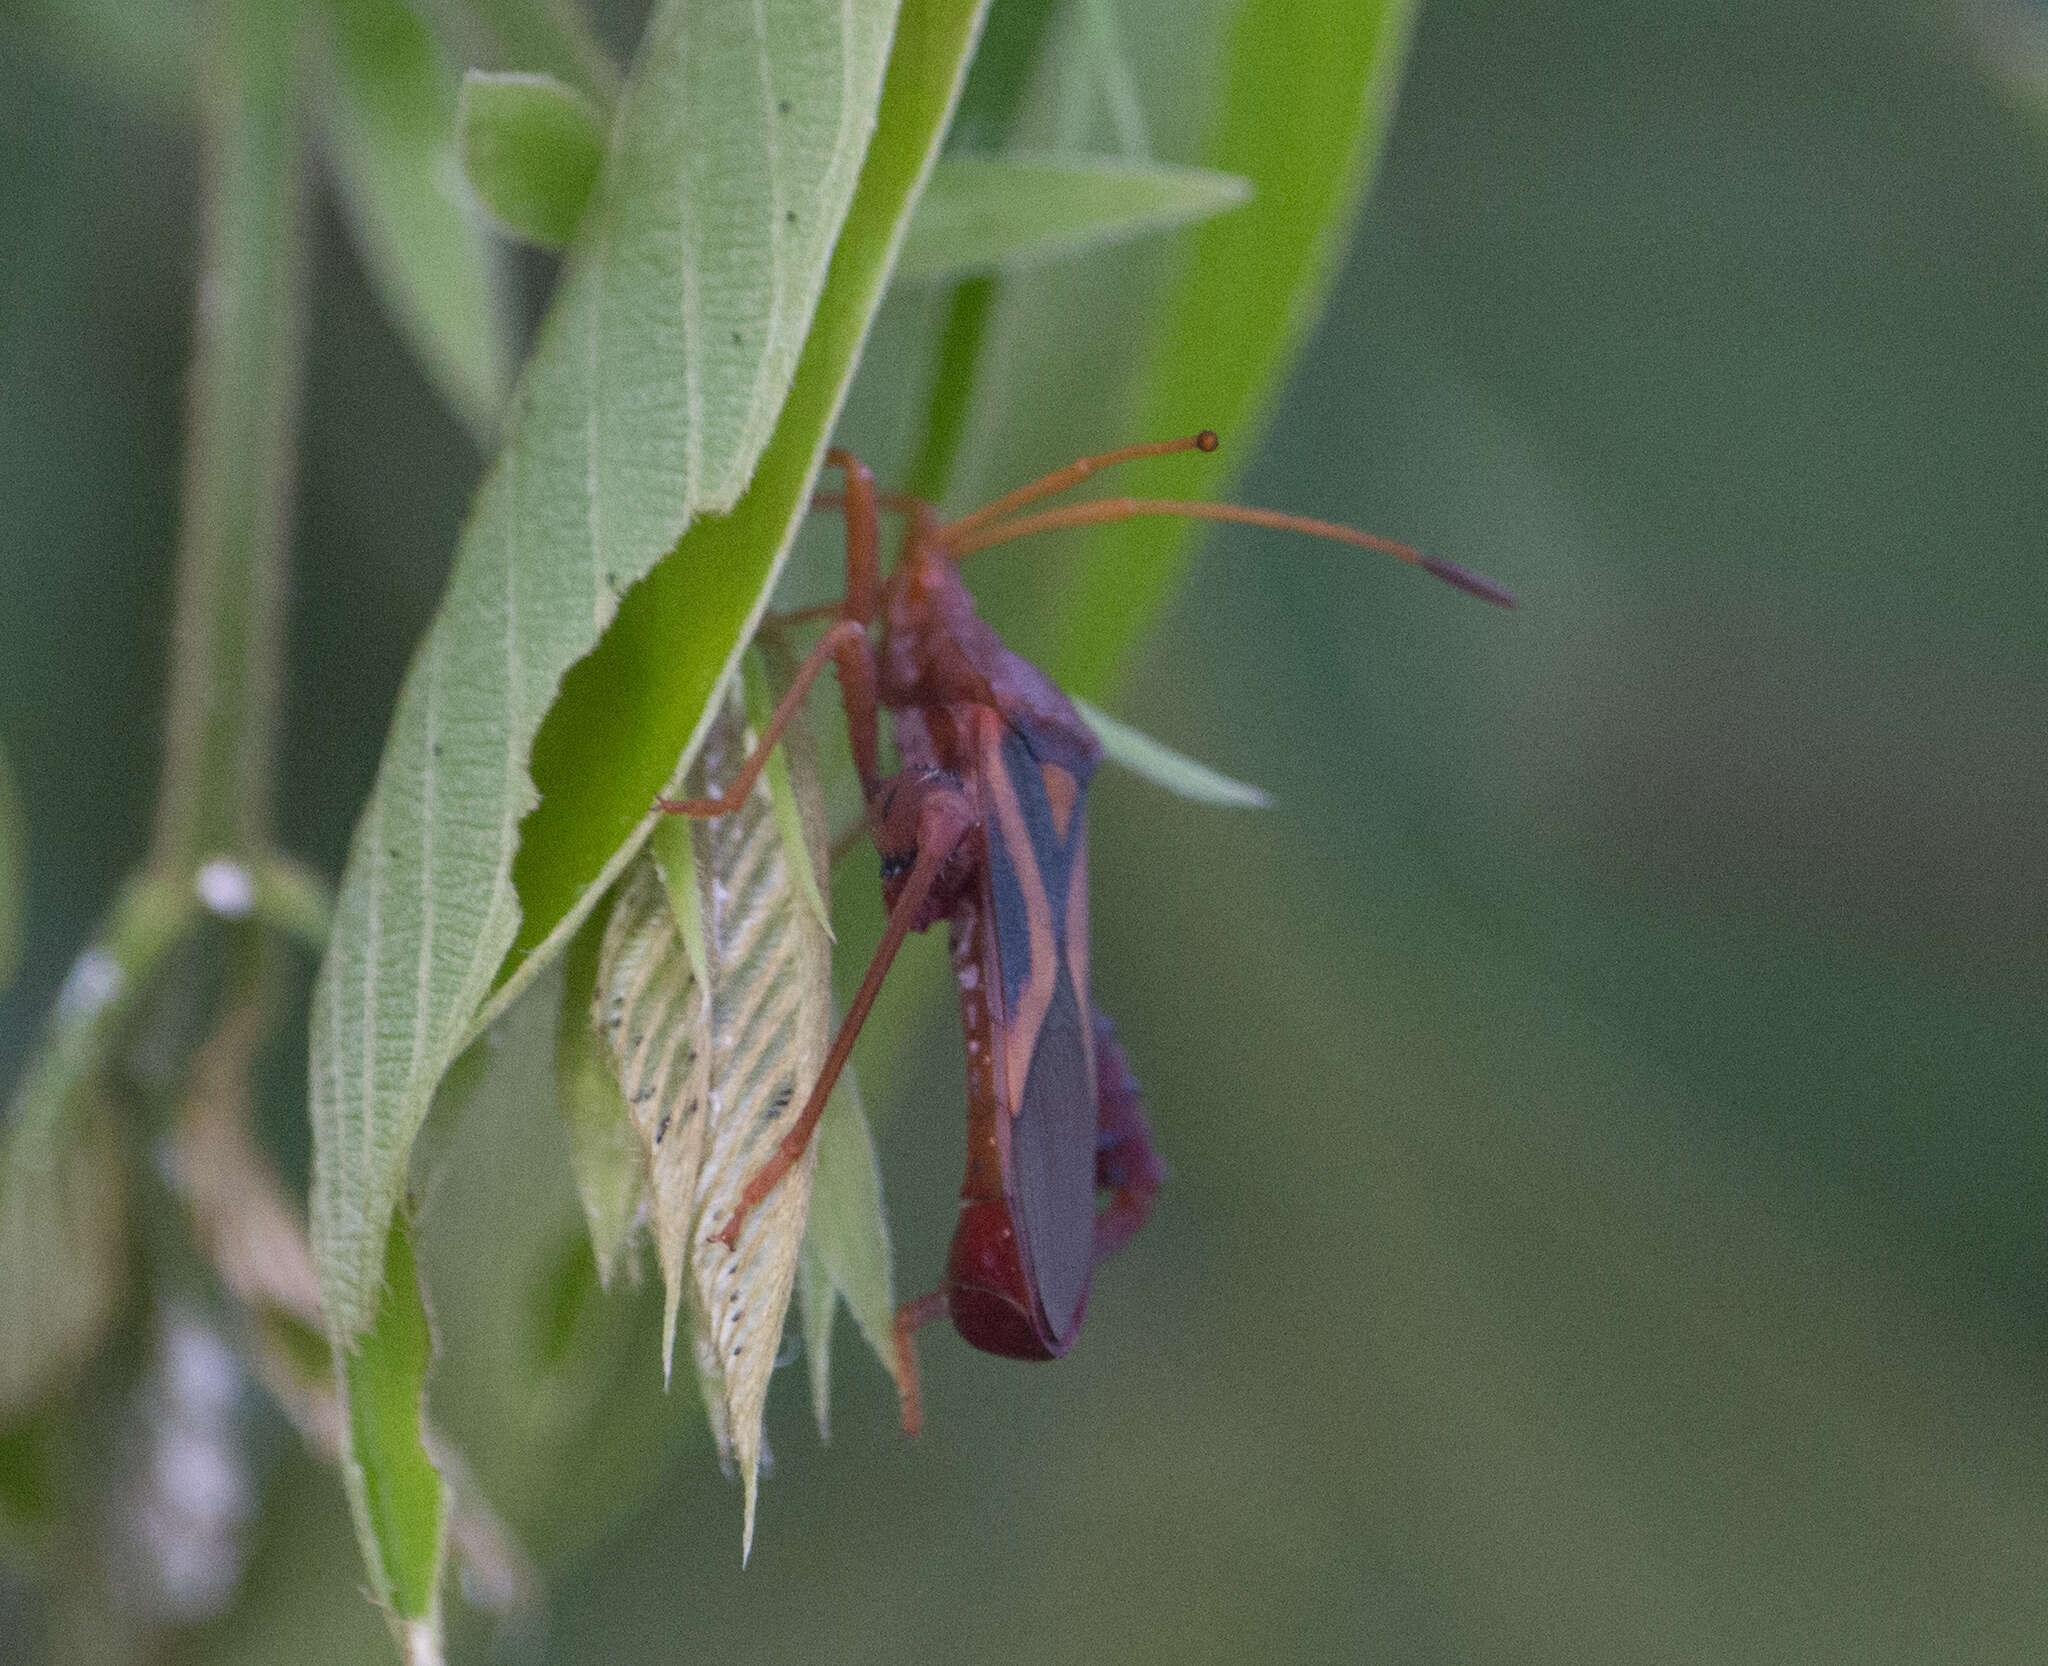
(1307,92)
(530,150)
(611,1169)
(60,1165)
(981,213)
(638,414)
(610,744)
(390,128)
(1164,767)
(13,865)
(394,1489)
(61,1246)
(846,1245)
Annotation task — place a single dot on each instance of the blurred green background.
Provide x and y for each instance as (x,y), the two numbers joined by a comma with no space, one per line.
(1603,1098)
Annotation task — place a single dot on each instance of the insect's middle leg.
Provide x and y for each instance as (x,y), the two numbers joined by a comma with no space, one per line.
(846,643)
(942,817)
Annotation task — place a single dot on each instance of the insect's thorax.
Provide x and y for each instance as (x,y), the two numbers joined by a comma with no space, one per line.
(939,658)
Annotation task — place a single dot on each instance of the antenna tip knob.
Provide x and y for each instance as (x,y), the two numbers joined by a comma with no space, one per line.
(1206,440)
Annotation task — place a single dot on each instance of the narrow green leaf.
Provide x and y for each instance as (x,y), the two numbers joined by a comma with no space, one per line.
(982,213)
(639,412)
(817,1307)
(1164,767)
(611,1169)
(674,848)
(548,36)
(799,820)
(396,1492)
(13,868)
(1004,60)
(390,126)
(1011,46)
(846,1245)
(1118,87)
(294,900)
(1307,92)
(570,1287)
(530,150)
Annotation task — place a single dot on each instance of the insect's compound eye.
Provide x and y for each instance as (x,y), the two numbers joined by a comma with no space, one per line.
(895,867)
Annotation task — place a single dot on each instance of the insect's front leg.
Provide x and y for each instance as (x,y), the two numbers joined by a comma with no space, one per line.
(846,643)
(1126,1166)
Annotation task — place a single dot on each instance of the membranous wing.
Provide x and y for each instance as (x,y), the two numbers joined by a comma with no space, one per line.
(1037,895)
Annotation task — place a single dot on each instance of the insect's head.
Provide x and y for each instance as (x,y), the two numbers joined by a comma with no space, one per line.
(896,818)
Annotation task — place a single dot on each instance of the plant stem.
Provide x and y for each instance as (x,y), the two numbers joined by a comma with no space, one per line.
(249,326)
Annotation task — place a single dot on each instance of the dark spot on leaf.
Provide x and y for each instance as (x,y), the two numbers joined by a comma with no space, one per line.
(783,106)
(737,338)
(790,215)
(661,1128)
(436,749)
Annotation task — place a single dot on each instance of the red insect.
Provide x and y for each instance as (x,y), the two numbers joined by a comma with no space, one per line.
(984,826)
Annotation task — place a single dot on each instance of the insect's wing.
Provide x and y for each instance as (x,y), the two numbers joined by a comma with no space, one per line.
(1038,916)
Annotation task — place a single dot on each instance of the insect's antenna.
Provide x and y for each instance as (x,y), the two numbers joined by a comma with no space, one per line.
(1104,510)
(1049,485)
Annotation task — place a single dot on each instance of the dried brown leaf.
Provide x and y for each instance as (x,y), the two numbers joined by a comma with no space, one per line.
(712,1084)
(649,1007)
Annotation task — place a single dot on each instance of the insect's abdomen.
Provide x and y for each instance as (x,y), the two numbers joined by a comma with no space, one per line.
(991,1297)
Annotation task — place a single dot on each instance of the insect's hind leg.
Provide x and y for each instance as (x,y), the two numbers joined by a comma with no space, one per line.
(911,1318)
(1126,1166)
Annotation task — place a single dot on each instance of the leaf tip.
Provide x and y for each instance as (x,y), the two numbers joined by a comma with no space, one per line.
(668,1333)
(752,1489)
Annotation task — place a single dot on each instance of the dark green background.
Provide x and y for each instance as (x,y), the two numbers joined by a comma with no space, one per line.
(1604,1099)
